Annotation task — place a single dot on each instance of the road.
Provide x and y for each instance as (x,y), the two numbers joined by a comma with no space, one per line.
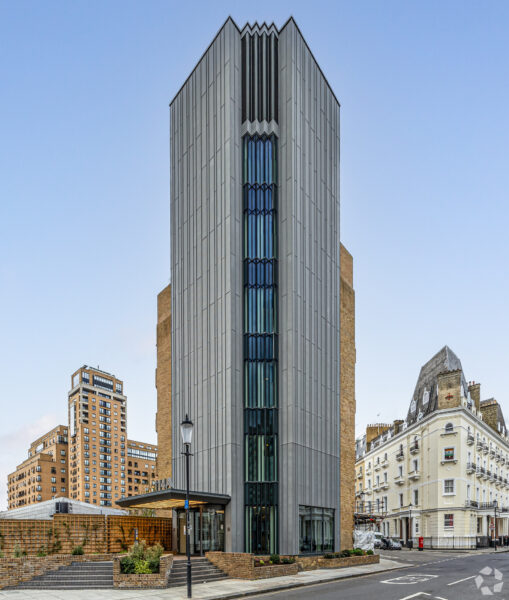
(434,576)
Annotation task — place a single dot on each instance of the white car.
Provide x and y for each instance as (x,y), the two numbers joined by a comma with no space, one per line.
(378,539)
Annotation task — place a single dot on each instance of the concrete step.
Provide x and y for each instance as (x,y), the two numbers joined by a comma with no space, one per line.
(78,575)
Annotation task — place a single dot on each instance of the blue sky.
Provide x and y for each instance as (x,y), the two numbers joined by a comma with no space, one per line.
(84,190)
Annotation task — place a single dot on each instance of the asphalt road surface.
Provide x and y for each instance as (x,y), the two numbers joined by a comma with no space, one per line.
(435,576)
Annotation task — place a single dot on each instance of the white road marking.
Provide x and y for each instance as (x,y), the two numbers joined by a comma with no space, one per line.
(415,595)
(410,579)
(440,598)
(460,580)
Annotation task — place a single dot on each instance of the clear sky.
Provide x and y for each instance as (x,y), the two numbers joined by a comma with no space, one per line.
(84,190)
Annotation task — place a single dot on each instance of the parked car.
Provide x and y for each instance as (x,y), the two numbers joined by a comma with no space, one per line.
(378,539)
(390,544)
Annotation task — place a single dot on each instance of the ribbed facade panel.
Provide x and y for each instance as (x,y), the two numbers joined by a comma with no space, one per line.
(309,244)
(206,251)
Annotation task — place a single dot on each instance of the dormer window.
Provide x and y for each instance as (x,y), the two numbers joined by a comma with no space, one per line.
(425,398)
(412,406)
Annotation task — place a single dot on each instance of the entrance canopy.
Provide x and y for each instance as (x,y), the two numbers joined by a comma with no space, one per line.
(172,499)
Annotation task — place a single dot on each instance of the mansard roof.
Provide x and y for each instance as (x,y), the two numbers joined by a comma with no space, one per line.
(425,398)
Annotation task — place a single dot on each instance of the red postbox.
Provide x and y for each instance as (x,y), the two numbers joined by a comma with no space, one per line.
(421,543)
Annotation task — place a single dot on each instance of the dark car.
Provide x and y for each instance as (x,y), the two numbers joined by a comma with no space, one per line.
(390,544)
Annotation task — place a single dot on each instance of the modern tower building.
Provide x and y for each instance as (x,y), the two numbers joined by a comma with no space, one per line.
(254,303)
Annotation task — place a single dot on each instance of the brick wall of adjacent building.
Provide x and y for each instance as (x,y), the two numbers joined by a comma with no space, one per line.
(163,383)
(347,395)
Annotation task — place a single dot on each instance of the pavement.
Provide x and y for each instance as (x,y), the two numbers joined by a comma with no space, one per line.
(220,590)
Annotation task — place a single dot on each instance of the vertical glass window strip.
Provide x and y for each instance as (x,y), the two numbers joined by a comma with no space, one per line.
(260,345)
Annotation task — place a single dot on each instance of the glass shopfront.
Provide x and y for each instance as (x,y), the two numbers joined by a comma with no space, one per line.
(316,530)
(206,531)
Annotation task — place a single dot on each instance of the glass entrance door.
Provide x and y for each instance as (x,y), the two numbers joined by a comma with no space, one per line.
(206,532)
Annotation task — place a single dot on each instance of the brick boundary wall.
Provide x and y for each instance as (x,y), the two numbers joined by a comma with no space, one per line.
(310,563)
(96,533)
(18,570)
(241,566)
(143,580)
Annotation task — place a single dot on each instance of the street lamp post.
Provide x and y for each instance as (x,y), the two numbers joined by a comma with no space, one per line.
(186,429)
(495,525)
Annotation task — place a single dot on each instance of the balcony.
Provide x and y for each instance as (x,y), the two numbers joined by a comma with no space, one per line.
(378,466)
(497,456)
(492,476)
(399,480)
(400,455)
(471,504)
(414,448)
(485,448)
(480,472)
(470,439)
(385,463)
(486,474)
(384,485)
(492,453)
(414,475)
(471,467)
(368,471)
(368,492)
(479,446)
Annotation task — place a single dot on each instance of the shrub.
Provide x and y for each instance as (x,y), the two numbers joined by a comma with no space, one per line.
(153,555)
(127,565)
(345,553)
(77,551)
(275,559)
(370,552)
(357,552)
(18,552)
(1,554)
(42,551)
(288,561)
(262,562)
(142,566)
(329,555)
(137,551)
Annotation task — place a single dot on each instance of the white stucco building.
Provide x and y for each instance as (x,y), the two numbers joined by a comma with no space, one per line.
(443,472)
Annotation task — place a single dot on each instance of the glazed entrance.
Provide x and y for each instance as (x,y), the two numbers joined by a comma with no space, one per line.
(207,529)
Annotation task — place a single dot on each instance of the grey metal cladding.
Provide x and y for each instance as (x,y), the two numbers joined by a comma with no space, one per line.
(259,74)
(309,275)
(206,266)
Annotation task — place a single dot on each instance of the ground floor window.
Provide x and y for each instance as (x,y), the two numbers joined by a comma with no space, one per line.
(448,521)
(316,529)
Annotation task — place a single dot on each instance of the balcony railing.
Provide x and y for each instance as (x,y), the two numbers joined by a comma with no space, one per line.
(400,455)
(414,448)
(470,439)
(471,467)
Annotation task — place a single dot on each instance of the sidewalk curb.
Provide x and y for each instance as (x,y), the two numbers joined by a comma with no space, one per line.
(289,586)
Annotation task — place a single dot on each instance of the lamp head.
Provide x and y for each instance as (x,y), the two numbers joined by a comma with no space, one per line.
(186,429)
